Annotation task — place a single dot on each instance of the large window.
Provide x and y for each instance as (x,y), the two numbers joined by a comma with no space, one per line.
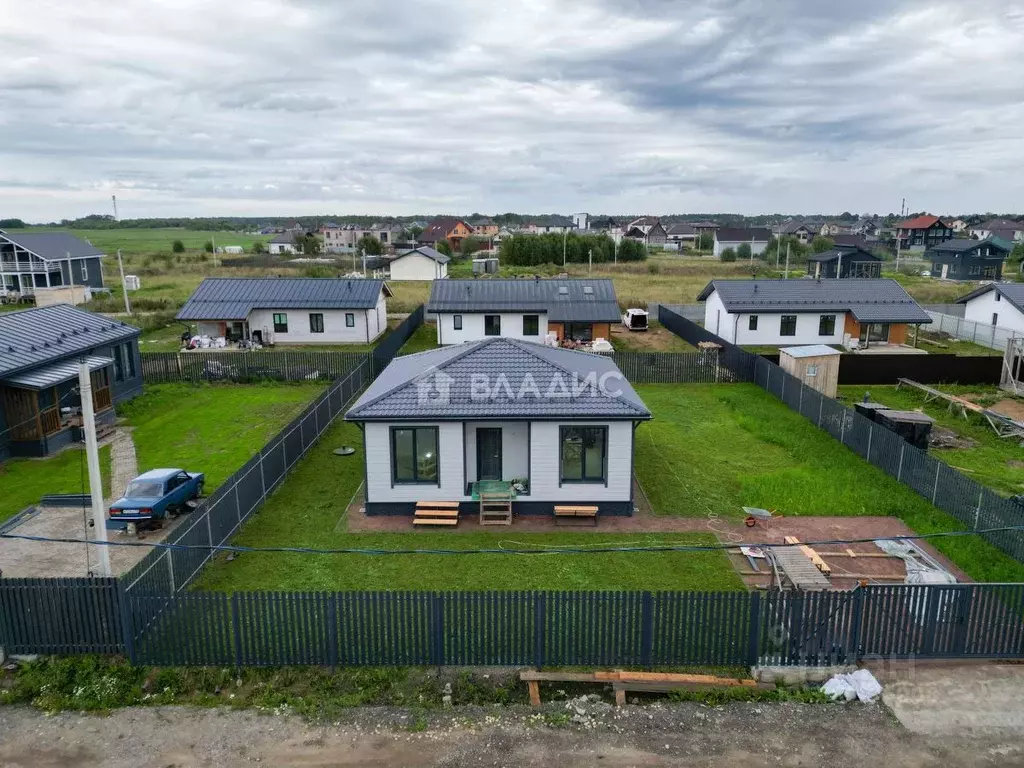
(280,322)
(531,325)
(583,456)
(787,326)
(457,322)
(350,319)
(492,325)
(827,325)
(579,331)
(316,322)
(414,455)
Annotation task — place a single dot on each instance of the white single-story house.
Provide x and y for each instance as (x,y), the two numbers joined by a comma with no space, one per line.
(999,304)
(422,263)
(555,423)
(793,312)
(283,242)
(732,237)
(289,310)
(581,309)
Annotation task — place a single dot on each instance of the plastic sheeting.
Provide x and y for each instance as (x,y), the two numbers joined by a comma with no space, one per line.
(860,685)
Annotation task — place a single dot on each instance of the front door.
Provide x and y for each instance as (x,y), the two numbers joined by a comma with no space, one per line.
(488,453)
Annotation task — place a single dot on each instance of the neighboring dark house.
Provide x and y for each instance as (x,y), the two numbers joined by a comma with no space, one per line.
(30,260)
(602,223)
(844,261)
(451,229)
(923,232)
(850,240)
(40,350)
(683,234)
(968,259)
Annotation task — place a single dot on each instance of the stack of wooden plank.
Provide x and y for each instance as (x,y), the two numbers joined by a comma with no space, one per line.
(638,682)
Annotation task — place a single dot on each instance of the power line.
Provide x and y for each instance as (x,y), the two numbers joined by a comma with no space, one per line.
(527,551)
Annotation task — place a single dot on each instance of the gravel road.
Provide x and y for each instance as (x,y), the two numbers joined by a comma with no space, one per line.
(568,734)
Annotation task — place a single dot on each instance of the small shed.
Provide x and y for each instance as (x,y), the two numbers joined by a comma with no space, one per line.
(913,426)
(816,365)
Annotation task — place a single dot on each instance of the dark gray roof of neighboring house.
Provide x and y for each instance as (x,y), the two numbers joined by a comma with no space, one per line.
(960,245)
(412,387)
(740,235)
(851,253)
(849,239)
(869,300)
(425,250)
(233,298)
(284,238)
(999,224)
(1012,292)
(681,229)
(52,246)
(574,305)
(30,338)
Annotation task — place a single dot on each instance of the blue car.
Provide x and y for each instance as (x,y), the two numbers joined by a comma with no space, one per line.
(154,495)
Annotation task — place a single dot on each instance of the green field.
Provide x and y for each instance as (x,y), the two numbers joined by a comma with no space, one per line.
(208,428)
(993,461)
(138,241)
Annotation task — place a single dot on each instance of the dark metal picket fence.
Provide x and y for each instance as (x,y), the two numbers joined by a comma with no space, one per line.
(974,505)
(246,367)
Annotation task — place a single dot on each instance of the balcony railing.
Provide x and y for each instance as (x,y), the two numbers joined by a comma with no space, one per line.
(13,265)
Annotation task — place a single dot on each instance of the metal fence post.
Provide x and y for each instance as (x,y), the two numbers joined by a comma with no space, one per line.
(437,612)
(539,618)
(209,530)
(236,630)
(800,406)
(935,489)
(263,480)
(899,469)
(238,503)
(646,628)
(977,512)
(754,633)
(871,433)
(821,405)
(170,569)
(856,621)
(127,629)
(332,629)
(842,427)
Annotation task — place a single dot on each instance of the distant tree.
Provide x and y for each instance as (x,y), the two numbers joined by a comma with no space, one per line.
(820,244)
(470,245)
(706,242)
(413,232)
(11,224)
(743,251)
(631,250)
(309,244)
(370,245)
(443,247)
(208,246)
(258,246)
(728,255)
(178,247)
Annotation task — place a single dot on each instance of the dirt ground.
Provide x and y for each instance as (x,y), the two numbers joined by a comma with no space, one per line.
(1012,408)
(567,734)
(655,339)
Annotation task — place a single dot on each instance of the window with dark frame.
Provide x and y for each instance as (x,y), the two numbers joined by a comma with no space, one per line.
(280,322)
(118,363)
(531,325)
(457,322)
(583,454)
(316,322)
(492,325)
(85,269)
(752,323)
(787,325)
(130,359)
(414,455)
(350,319)
(826,325)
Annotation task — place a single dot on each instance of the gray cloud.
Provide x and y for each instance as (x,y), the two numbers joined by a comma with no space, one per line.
(293,106)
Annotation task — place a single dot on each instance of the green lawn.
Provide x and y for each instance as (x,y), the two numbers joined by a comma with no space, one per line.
(209,428)
(994,461)
(132,241)
(714,449)
(306,509)
(940,344)
(422,339)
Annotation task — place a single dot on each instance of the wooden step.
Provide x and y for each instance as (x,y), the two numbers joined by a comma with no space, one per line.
(438,504)
(423,512)
(435,521)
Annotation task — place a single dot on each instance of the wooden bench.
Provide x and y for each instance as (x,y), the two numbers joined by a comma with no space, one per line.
(566,513)
(635,681)
(436,513)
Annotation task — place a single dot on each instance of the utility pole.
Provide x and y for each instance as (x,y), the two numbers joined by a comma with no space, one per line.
(786,274)
(899,239)
(92,455)
(114,198)
(590,261)
(124,288)
(565,237)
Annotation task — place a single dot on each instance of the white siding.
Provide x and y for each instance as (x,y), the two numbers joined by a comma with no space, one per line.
(416,266)
(473,327)
(545,469)
(756,247)
(514,448)
(281,248)
(335,330)
(735,328)
(981,308)
(450,465)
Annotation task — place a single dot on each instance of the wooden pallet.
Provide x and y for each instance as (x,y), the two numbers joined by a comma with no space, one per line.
(568,513)
(495,509)
(436,513)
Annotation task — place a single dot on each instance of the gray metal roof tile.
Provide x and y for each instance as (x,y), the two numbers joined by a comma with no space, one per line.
(525,381)
(30,338)
(233,298)
(575,305)
(52,246)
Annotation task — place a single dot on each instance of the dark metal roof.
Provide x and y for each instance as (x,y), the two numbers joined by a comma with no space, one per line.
(30,338)
(57,373)
(233,298)
(426,250)
(564,300)
(445,384)
(740,235)
(52,246)
(1012,292)
(849,253)
(877,301)
(961,245)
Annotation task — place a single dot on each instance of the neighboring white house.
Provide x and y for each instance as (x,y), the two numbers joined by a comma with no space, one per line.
(469,310)
(792,312)
(1006,229)
(289,310)
(999,304)
(731,237)
(422,263)
(557,423)
(283,242)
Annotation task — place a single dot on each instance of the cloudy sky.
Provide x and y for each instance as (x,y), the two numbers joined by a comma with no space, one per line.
(207,107)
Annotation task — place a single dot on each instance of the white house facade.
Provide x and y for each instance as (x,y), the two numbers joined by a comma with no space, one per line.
(730,237)
(423,263)
(998,304)
(274,310)
(515,429)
